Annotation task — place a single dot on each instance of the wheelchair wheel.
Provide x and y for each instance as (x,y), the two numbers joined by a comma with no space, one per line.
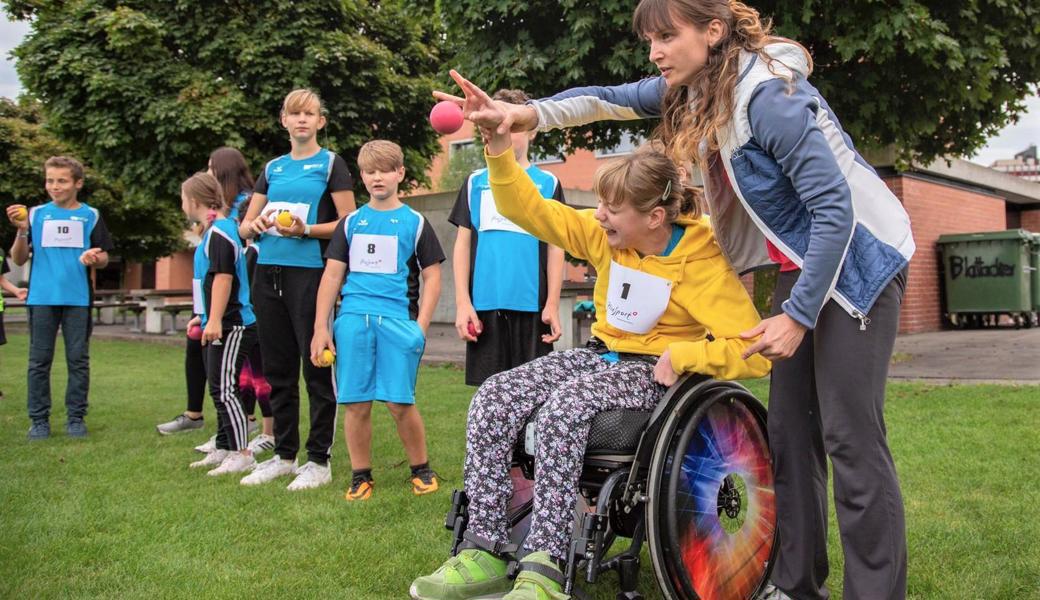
(711,512)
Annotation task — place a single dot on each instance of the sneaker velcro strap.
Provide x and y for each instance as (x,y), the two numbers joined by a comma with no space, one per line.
(545,571)
(472,540)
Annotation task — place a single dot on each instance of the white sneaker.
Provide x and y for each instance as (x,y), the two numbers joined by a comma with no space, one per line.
(269,470)
(211,460)
(208,447)
(310,476)
(235,462)
(261,443)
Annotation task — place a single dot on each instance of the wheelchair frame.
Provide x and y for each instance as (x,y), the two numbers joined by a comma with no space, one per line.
(619,486)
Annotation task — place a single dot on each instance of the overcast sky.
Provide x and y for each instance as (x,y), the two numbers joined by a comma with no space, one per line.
(1012,139)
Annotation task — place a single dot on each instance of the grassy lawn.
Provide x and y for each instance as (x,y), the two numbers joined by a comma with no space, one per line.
(119,514)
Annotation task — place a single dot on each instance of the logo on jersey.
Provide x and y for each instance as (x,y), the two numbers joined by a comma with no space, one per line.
(362,223)
(276,170)
(312,166)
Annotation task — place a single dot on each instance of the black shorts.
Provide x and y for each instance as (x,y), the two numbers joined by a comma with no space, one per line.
(3,336)
(509,339)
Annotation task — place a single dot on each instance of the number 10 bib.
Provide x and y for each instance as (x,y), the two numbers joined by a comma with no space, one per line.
(635,300)
(370,253)
(61,233)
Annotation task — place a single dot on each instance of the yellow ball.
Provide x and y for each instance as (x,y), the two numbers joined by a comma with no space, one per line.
(21,214)
(285,218)
(328,358)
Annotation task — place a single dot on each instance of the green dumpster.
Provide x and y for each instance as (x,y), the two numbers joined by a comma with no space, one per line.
(1035,264)
(989,272)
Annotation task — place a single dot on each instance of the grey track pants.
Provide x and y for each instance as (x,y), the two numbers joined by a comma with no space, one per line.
(828,401)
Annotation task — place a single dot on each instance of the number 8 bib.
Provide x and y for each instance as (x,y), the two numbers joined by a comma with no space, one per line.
(373,253)
(635,300)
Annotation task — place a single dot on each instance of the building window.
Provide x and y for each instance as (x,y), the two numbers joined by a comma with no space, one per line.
(457,145)
(628,145)
(544,159)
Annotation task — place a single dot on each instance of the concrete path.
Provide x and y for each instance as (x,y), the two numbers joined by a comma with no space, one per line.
(1007,356)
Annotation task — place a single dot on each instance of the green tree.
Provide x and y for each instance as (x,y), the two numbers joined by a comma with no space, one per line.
(464,160)
(140,230)
(931,77)
(146,89)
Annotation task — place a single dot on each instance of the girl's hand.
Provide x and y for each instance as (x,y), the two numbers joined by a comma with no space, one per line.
(321,341)
(781,336)
(551,317)
(21,293)
(195,321)
(260,224)
(663,372)
(295,230)
(212,333)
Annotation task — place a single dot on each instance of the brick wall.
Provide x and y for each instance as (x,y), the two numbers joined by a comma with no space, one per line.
(936,209)
(1030,220)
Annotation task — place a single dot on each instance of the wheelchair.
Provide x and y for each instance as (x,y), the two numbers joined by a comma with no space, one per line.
(692,479)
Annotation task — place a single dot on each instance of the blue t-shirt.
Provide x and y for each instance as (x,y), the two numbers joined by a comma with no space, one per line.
(58,237)
(221,252)
(507,264)
(385,251)
(303,187)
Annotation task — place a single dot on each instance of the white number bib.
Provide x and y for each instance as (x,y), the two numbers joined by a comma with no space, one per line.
(635,300)
(61,233)
(298,210)
(491,219)
(197,305)
(373,253)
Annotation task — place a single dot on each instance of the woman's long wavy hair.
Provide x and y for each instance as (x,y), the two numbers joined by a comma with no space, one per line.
(702,109)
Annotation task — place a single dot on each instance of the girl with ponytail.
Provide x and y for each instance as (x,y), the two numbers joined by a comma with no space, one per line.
(220,293)
(663,285)
(784,184)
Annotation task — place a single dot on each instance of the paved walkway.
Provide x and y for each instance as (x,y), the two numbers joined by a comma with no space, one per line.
(987,355)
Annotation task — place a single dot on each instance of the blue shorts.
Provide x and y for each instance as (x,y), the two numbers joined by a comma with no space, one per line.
(377,358)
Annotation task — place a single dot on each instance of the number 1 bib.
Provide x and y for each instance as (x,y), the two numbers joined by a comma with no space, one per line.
(62,233)
(371,253)
(635,300)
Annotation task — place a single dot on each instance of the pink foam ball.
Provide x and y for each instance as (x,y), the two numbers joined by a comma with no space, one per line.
(195,332)
(446,117)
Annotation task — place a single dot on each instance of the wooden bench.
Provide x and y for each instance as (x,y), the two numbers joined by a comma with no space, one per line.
(173,310)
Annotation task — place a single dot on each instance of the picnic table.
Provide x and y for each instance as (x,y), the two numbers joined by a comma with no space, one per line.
(159,303)
(572,321)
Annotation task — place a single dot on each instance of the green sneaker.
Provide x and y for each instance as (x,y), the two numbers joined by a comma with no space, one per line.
(532,585)
(470,575)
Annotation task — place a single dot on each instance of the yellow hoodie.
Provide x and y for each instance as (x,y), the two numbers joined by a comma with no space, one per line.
(705,295)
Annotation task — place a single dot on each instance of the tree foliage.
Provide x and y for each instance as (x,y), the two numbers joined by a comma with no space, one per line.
(140,230)
(464,160)
(931,77)
(148,88)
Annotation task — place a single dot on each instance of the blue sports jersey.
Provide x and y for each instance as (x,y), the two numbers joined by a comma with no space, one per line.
(241,205)
(385,252)
(58,237)
(221,252)
(507,264)
(303,187)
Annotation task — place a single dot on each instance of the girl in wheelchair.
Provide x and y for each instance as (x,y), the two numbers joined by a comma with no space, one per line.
(667,302)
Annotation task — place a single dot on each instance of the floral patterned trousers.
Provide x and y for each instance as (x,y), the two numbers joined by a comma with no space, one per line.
(572,387)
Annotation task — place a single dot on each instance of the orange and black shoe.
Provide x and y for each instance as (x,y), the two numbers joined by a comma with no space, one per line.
(424,480)
(360,487)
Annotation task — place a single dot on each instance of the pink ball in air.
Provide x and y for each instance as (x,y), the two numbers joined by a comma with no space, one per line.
(446,117)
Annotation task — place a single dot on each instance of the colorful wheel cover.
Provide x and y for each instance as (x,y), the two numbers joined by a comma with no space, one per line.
(724,504)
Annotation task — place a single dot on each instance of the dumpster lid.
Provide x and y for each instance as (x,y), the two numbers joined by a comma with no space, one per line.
(985,236)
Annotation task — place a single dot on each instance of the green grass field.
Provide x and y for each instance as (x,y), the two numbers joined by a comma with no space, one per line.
(119,514)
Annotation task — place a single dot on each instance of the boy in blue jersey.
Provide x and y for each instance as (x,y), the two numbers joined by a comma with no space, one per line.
(507,282)
(220,294)
(66,238)
(381,249)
